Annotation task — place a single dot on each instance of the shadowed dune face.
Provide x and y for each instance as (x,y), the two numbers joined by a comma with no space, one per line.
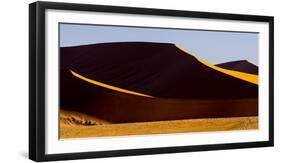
(118,107)
(155,69)
(123,108)
(182,87)
(242,66)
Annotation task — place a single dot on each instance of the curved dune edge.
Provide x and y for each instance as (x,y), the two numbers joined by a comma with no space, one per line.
(241,75)
(108,86)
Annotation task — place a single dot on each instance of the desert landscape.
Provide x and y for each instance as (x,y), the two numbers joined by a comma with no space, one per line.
(77,125)
(136,88)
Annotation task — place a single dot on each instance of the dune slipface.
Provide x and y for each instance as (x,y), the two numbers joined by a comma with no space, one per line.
(241,65)
(140,81)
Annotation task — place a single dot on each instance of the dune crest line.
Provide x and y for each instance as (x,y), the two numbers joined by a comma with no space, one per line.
(108,86)
(241,75)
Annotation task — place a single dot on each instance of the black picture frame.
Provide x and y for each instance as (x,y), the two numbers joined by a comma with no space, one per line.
(37,80)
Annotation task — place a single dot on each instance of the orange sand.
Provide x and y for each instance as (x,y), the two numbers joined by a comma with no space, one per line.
(77,125)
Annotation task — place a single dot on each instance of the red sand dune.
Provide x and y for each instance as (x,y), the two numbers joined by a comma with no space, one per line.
(241,65)
(183,87)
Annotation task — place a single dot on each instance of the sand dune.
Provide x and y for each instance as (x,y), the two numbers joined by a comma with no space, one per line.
(119,107)
(153,69)
(241,65)
(240,72)
(106,85)
(116,86)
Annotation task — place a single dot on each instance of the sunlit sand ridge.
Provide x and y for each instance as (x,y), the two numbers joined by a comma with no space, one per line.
(107,86)
(241,75)
(244,76)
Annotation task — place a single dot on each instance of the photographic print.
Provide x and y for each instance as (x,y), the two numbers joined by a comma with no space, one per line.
(108,81)
(124,80)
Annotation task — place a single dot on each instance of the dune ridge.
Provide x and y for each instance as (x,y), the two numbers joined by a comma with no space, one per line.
(240,75)
(108,86)
(154,69)
(182,85)
(240,65)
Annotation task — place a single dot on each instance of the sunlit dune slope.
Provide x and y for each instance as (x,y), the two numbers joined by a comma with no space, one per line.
(155,70)
(241,75)
(106,85)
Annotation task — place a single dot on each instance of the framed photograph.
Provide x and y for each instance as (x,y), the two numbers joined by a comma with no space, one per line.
(111,81)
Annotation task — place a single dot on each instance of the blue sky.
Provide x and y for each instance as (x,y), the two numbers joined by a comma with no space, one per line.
(212,46)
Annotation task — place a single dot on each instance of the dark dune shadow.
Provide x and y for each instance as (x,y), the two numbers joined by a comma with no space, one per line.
(117,107)
(156,69)
(241,65)
(183,87)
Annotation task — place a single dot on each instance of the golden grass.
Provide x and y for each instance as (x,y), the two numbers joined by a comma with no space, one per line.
(77,125)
